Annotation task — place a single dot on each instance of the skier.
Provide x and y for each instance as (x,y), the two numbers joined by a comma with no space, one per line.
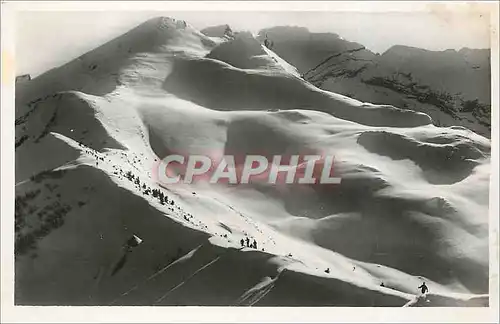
(242,242)
(254,244)
(423,288)
(248,242)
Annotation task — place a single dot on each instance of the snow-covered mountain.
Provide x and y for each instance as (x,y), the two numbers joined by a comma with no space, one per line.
(453,87)
(94,227)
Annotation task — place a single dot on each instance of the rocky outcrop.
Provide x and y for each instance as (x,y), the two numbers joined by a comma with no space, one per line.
(23,78)
(218,31)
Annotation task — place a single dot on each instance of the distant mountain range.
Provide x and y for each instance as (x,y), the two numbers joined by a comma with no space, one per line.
(453,87)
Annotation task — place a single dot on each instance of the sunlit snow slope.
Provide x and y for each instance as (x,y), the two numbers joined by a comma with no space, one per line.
(412,205)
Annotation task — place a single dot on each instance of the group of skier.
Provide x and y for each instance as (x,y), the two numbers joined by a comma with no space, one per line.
(246,242)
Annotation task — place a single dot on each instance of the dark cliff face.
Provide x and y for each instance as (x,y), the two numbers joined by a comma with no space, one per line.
(218,31)
(453,87)
(306,50)
(455,82)
(465,72)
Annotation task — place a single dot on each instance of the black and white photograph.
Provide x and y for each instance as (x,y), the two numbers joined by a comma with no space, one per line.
(274,156)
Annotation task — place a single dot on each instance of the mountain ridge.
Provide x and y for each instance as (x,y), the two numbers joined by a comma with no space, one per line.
(445,91)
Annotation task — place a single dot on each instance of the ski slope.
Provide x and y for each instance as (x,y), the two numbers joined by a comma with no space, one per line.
(412,205)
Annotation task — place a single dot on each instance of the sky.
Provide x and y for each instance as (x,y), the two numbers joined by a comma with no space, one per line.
(47,39)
